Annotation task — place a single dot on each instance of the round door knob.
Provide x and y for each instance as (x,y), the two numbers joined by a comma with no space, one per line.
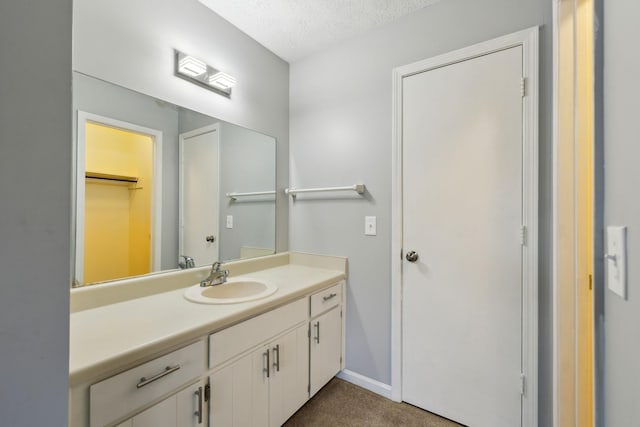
(412,256)
(210,239)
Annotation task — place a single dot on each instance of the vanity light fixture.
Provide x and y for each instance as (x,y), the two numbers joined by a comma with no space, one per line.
(199,72)
(222,81)
(191,66)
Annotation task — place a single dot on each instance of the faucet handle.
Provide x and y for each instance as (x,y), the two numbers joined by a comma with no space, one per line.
(187,263)
(216,266)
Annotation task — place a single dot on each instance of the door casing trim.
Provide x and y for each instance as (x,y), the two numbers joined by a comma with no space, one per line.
(84,117)
(528,39)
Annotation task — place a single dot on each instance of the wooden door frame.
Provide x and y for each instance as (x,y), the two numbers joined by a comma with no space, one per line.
(156,195)
(570,161)
(528,39)
(181,138)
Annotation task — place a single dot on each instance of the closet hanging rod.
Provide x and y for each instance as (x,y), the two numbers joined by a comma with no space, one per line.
(234,196)
(358,188)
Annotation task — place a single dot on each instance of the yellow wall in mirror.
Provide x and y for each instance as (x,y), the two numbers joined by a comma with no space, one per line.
(117,214)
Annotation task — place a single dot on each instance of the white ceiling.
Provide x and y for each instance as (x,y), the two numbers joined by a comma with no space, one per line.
(293,29)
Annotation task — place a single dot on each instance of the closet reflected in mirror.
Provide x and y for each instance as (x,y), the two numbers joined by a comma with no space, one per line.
(156,183)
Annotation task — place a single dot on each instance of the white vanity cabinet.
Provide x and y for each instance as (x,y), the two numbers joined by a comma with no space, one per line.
(257,372)
(260,368)
(134,389)
(326,329)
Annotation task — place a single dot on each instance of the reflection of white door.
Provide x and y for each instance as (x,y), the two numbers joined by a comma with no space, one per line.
(199,194)
(462,214)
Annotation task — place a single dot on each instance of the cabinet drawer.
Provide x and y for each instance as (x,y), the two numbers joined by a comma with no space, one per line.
(122,394)
(324,300)
(234,340)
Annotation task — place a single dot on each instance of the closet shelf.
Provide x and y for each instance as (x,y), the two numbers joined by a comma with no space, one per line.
(111,177)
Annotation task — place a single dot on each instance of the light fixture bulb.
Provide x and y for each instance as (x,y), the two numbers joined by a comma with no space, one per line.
(222,80)
(190,66)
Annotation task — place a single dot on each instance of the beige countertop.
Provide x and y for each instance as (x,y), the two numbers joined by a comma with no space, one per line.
(107,339)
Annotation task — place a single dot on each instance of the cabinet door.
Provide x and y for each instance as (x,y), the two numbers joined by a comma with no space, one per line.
(191,407)
(240,391)
(162,414)
(183,409)
(289,377)
(326,348)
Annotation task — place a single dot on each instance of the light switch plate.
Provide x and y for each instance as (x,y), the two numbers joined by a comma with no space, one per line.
(370,228)
(229,221)
(616,260)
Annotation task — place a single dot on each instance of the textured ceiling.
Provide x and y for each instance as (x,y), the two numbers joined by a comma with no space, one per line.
(293,29)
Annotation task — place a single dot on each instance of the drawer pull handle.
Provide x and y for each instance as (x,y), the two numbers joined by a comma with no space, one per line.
(328,297)
(144,380)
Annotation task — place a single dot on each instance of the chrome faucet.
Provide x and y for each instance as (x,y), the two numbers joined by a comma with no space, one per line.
(187,263)
(216,277)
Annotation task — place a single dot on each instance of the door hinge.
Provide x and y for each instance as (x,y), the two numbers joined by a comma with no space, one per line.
(590,282)
(207,392)
(309,332)
(308,388)
(522,384)
(341,314)
(340,359)
(523,235)
(523,87)
(401,254)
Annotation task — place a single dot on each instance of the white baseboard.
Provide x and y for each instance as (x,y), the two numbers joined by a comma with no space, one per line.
(377,387)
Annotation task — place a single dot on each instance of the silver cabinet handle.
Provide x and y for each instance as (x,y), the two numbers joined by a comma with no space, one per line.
(198,413)
(276,357)
(144,380)
(317,337)
(328,297)
(268,368)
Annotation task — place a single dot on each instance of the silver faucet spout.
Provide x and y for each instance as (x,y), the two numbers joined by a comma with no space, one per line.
(216,277)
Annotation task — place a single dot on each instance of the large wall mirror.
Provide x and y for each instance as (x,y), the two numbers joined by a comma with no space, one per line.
(156,183)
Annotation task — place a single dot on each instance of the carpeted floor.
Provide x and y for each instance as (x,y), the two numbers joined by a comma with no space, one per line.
(341,403)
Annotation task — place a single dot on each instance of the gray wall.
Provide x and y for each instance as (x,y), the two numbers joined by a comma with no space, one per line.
(35,207)
(622,207)
(131,44)
(249,160)
(341,134)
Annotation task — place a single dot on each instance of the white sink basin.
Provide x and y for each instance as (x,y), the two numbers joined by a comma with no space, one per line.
(232,292)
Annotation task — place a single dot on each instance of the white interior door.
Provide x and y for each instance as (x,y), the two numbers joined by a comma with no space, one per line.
(199,194)
(462,215)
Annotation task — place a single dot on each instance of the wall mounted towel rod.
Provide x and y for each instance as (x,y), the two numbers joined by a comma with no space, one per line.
(358,188)
(234,196)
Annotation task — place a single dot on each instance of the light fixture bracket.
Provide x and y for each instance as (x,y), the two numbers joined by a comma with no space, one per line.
(198,72)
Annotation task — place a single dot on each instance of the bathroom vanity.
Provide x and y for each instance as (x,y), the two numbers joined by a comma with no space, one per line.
(141,354)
